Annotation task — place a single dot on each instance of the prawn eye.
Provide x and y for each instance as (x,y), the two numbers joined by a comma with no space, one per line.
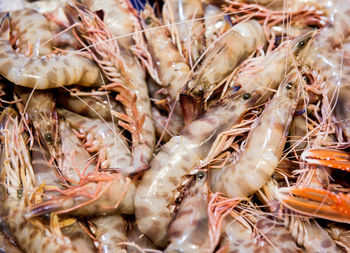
(301,43)
(246,96)
(200,175)
(48,138)
(19,193)
(79,18)
(148,20)
(289,86)
(46,216)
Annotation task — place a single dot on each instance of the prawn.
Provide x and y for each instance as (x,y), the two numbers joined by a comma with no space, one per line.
(167,66)
(93,192)
(171,70)
(306,232)
(311,200)
(47,179)
(158,187)
(45,72)
(97,194)
(251,231)
(328,62)
(265,142)
(74,161)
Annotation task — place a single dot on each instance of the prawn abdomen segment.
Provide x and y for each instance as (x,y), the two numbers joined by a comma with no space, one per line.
(242,183)
(32,32)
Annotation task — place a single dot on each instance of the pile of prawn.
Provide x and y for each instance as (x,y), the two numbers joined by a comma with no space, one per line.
(182,126)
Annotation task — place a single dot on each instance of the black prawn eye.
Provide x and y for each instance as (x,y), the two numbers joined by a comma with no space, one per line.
(301,43)
(246,96)
(48,138)
(148,20)
(19,193)
(200,175)
(79,18)
(289,86)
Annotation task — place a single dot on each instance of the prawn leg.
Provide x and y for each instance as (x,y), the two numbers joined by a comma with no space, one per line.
(103,137)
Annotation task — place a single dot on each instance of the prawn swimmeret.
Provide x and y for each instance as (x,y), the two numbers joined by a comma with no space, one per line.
(174,126)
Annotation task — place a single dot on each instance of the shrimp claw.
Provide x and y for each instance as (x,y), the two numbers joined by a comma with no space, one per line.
(328,157)
(317,203)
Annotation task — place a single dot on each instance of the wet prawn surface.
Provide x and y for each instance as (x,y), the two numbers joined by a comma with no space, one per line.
(181,126)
